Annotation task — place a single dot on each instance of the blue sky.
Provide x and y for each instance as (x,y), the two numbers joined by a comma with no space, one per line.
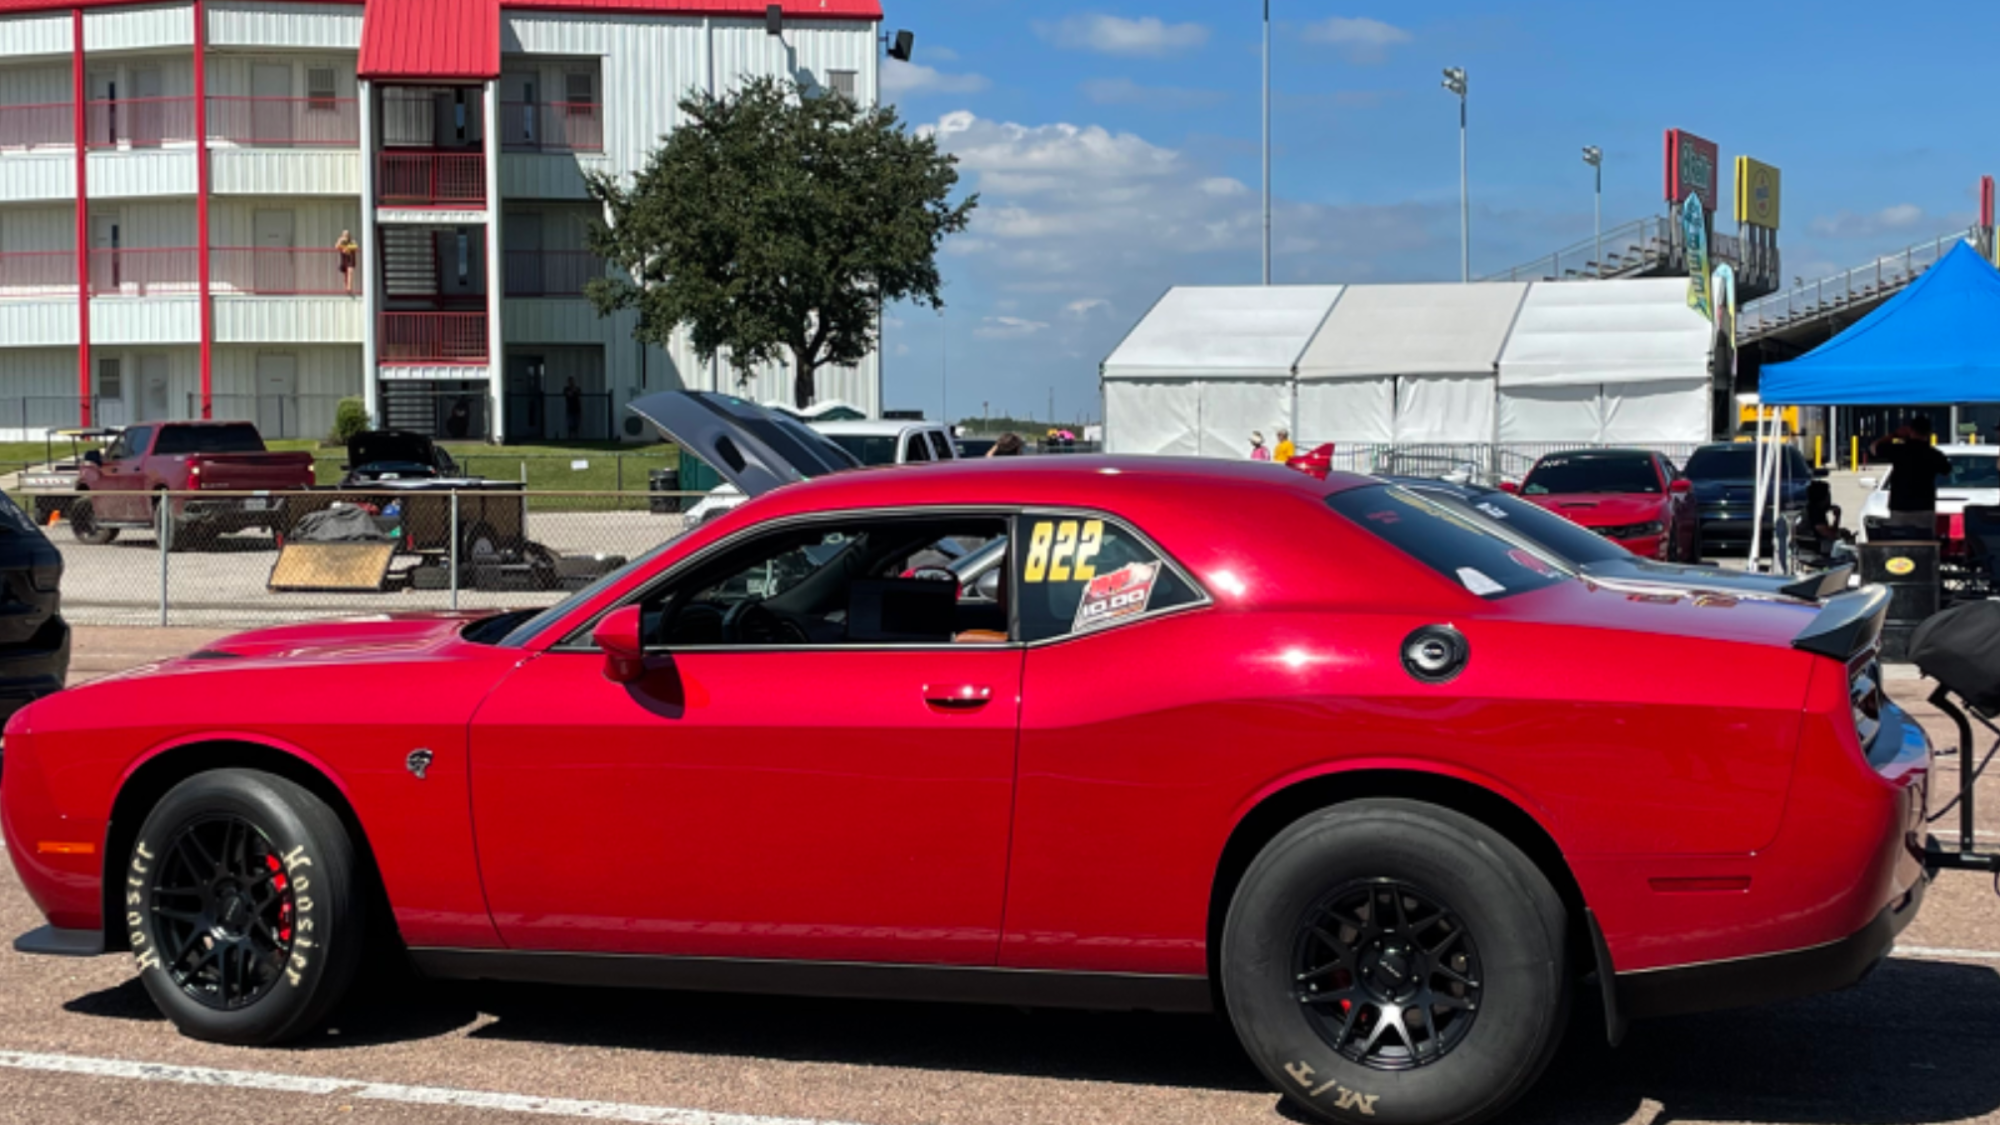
(1115,148)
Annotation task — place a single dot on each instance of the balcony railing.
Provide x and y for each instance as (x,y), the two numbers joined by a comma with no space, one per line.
(27,273)
(552,127)
(551,273)
(139,273)
(38,126)
(279,272)
(138,122)
(285,122)
(433,337)
(431,179)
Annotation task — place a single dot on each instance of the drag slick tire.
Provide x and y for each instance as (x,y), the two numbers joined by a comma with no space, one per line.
(1394,962)
(244,907)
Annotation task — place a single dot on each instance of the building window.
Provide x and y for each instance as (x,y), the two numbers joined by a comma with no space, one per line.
(580,91)
(322,87)
(841,82)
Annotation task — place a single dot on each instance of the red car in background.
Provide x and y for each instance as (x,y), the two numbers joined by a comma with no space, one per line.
(1384,787)
(1635,498)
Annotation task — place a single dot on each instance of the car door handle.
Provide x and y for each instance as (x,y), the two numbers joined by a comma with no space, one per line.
(957,697)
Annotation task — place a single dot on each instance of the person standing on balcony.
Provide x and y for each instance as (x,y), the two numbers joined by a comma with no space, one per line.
(350,259)
(573,406)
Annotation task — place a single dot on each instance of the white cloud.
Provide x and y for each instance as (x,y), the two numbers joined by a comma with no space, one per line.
(1889,220)
(941,54)
(1114,35)
(1361,39)
(911,80)
(1007,328)
(1124,91)
(1085,306)
(902,349)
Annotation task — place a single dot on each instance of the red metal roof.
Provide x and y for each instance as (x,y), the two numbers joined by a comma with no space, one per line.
(742,9)
(448,40)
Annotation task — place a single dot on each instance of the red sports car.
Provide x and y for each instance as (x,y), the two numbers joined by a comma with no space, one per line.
(1386,787)
(1633,497)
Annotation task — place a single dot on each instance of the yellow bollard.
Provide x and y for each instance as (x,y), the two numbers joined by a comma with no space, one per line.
(1818,460)
(1854,459)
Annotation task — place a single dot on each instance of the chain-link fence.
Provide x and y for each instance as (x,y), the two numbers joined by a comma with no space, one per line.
(1479,463)
(247,559)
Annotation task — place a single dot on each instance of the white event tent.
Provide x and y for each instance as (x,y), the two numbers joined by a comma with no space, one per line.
(1556,362)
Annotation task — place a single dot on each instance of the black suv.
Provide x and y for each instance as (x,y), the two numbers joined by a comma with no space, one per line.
(34,639)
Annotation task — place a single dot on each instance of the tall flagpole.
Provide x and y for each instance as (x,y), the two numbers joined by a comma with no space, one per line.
(1267,142)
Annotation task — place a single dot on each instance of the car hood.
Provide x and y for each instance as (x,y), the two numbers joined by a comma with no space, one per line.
(748,446)
(1739,491)
(1603,509)
(392,636)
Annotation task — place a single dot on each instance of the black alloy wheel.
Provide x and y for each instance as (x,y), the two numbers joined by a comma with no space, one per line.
(1388,975)
(224,912)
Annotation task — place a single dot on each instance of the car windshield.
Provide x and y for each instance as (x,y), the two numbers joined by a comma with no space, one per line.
(1739,463)
(1483,556)
(869,449)
(236,437)
(527,630)
(1563,473)
(1972,470)
(1571,541)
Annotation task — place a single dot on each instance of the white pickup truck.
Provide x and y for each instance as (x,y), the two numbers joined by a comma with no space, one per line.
(872,442)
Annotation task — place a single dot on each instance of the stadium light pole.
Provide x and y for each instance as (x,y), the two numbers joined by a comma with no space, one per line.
(1267,142)
(1454,80)
(1594,156)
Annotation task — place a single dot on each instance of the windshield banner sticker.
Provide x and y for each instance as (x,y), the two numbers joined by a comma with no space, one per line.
(1116,596)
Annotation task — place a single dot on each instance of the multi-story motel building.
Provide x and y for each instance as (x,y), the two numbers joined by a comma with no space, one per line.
(175,178)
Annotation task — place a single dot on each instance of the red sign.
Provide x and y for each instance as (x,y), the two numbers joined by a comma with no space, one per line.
(1691,168)
(1985,201)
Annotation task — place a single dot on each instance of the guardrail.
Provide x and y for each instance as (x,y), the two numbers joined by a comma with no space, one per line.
(1871,282)
(431,179)
(434,337)
(138,122)
(50,125)
(1640,244)
(285,122)
(253,558)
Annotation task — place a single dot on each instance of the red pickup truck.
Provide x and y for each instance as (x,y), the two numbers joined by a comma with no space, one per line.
(125,481)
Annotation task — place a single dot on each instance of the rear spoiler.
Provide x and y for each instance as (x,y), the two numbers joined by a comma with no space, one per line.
(1847,625)
(1819,587)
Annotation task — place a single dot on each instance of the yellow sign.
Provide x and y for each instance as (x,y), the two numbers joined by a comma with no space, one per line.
(1899,567)
(1787,417)
(1756,193)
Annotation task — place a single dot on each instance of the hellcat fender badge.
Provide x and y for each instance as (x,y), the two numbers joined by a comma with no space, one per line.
(418,761)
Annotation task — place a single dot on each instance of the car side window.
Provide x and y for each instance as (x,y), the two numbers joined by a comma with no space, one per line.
(131,443)
(1078,573)
(914,448)
(859,581)
(941,445)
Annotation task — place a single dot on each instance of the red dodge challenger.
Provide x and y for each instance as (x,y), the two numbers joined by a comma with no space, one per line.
(1635,498)
(1385,788)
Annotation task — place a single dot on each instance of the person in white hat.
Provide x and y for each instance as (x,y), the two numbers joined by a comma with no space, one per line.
(1257,450)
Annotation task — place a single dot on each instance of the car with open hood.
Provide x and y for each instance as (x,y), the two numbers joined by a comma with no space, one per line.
(1631,496)
(1385,788)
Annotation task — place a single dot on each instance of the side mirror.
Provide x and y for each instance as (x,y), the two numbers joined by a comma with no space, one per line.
(94,457)
(1510,488)
(1681,487)
(617,636)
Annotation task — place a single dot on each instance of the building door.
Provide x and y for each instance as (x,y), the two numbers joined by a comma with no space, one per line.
(526,417)
(274,268)
(278,394)
(107,267)
(112,409)
(149,108)
(103,125)
(525,274)
(272,108)
(153,388)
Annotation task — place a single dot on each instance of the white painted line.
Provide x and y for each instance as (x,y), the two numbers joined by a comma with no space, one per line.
(384,1092)
(1927,953)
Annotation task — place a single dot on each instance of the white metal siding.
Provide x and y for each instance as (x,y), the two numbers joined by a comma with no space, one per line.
(303,26)
(280,172)
(176,73)
(547,175)
(27,177)
(149,320)
(151,225)
(324,373)
(115,175)
(22,36)
(138,28)
(543,320)
(35,85)
(231,76)
(37,323)
(288,320)
(316,223)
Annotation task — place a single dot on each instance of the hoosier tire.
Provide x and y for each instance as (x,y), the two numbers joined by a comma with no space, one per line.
(244,907)
(1393,962)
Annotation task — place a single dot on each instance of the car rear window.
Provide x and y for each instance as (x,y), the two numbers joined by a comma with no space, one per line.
(1561,473)
(1972,471)
(1478,554)
(237,437)
(869,449)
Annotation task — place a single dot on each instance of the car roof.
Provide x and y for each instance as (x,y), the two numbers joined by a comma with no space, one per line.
(874,427)
(1595,453)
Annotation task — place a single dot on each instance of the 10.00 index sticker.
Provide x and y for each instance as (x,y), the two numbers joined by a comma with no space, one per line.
(1063,551)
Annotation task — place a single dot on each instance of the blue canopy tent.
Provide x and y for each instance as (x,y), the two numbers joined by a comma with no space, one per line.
(1938,341)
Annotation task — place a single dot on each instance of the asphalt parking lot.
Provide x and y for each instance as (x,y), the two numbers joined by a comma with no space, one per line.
(1917,1043)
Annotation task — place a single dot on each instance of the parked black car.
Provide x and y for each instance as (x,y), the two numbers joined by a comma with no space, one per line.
(34,639)
(1725,490)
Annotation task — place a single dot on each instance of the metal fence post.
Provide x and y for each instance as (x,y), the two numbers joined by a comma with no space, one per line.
(162,529)
(454,550)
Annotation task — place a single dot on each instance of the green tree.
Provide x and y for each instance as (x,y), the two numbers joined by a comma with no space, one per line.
(778,221)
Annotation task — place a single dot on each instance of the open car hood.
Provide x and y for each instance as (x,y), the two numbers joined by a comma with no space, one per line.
(752,448)
(377,447)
